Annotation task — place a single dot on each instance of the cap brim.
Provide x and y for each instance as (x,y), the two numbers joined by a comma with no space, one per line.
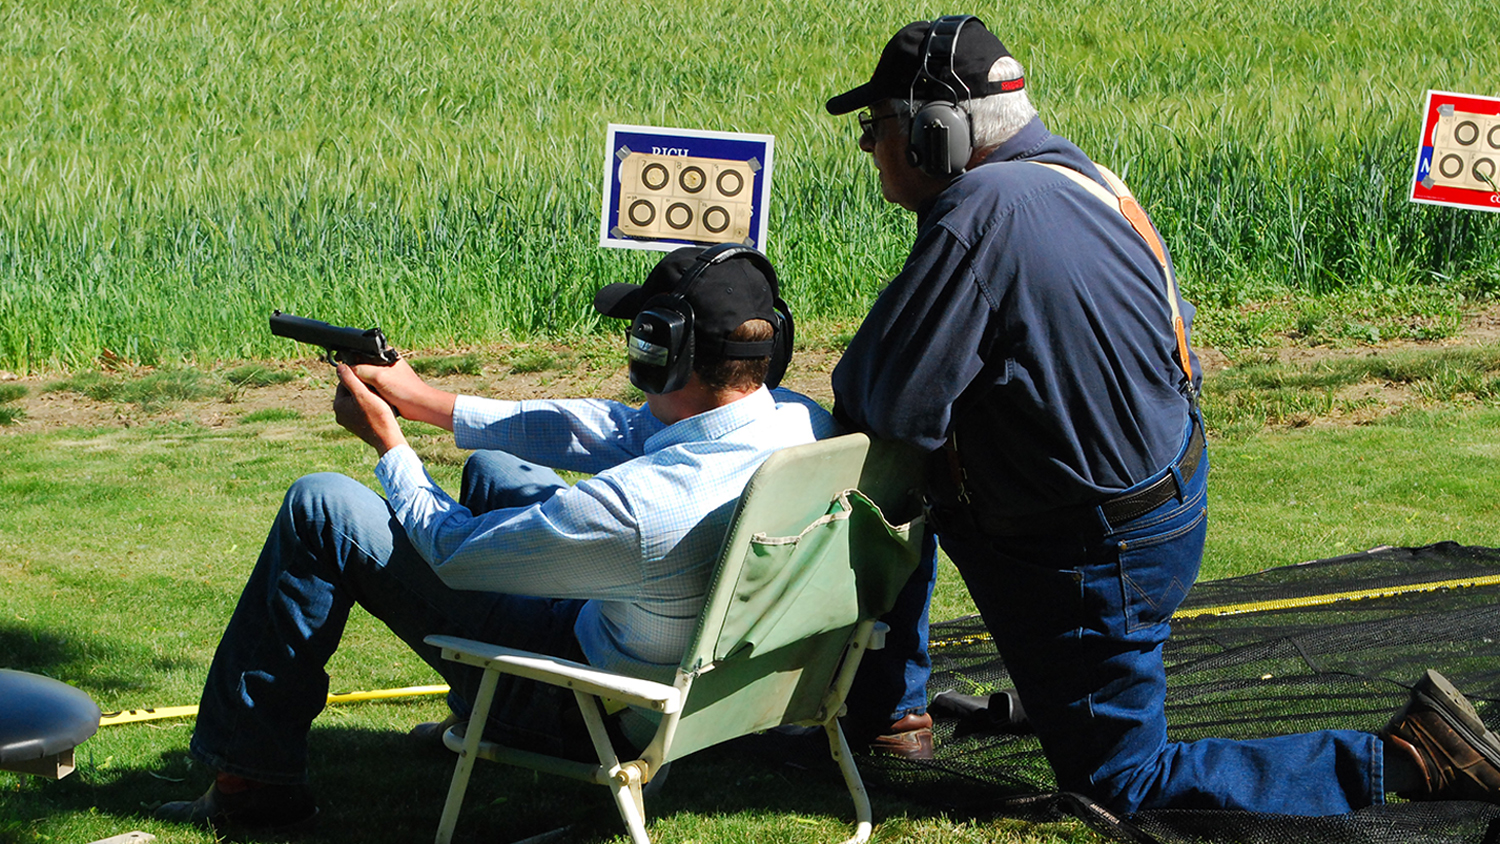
(854,99)
(619,300)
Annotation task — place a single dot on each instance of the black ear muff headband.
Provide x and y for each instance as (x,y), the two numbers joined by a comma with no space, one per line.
(941,135)
(662,338)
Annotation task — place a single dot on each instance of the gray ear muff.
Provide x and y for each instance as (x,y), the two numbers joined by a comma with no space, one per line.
(941,139)
(661,345)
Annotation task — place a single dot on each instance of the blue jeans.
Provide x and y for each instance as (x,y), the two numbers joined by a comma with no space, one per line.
(336,543)
(1080,620)
(892,682)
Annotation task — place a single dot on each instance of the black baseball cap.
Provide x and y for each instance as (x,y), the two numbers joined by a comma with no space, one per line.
(736,284)
(897,73)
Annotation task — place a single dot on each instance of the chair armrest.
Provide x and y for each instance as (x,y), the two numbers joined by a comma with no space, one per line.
(556,671)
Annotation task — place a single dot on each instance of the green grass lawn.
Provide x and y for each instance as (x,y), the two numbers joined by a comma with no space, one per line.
(124,549)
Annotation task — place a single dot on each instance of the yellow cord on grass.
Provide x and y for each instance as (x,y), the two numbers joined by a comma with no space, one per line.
(130,716)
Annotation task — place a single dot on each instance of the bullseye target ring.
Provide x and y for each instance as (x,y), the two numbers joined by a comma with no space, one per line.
(642,212)
(692,179)
(655,176)
(679,216)
(730,182)
(716,219)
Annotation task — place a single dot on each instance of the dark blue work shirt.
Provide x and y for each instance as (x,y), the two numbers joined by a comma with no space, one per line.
(1032,323)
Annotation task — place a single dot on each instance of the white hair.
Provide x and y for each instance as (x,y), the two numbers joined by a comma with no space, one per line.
(994,119)
(997,118)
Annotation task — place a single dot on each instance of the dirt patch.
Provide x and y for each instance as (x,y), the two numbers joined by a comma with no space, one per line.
(597,374)
(309,393)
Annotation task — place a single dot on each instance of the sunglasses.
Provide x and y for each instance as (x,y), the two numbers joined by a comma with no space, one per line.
(867,123)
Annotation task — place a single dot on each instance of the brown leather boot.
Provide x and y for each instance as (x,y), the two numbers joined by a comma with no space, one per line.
(1458,757)
(909,738)
(235,803)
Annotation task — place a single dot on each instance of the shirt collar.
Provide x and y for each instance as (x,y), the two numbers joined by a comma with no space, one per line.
(714,424)
(1023,144)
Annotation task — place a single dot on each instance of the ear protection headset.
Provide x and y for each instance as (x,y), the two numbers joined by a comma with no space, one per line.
(662,341)
(941,138)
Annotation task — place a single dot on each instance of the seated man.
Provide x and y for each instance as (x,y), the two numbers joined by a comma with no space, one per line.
(612,570)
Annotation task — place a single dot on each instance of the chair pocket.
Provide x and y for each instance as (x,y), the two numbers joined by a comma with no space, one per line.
(847,565)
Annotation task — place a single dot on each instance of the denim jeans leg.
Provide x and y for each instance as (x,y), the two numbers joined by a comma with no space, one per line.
(266,683)
(1080,621)
(892,681)
(496,479)
(335,542)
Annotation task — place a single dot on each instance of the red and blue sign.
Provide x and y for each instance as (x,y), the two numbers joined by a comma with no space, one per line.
(1459,161)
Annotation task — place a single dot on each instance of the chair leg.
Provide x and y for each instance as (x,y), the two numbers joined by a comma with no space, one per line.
(632,807)
(626,780)
(839,747)
(465,764)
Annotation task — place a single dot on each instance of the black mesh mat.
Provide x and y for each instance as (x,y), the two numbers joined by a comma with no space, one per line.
(1334,652)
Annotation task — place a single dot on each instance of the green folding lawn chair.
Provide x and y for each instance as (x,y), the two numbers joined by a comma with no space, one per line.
(822,540)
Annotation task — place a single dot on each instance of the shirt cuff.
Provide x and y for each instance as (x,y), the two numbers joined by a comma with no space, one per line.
(400,472)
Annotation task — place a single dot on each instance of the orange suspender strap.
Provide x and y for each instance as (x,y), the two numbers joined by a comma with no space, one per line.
(1124,202)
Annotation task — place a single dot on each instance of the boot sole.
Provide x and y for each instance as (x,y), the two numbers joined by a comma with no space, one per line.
(1441,695)
(291,828)
(227,823)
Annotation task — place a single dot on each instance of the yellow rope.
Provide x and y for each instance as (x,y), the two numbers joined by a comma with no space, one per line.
(130,716)
(1280,604)
(1335,597)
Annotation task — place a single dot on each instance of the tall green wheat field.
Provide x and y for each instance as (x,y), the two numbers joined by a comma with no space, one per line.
(172,171)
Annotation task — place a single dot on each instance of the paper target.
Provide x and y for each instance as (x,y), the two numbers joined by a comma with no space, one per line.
(1466,150)
(685,197)
(665,188)
(1458,159)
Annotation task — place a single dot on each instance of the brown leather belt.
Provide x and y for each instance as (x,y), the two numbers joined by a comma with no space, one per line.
(1117,510)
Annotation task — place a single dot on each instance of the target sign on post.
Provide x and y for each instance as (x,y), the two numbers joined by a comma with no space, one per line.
(1458,163)
(666,188)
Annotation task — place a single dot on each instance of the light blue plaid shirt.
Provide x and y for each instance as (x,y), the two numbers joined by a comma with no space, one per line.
(638,539)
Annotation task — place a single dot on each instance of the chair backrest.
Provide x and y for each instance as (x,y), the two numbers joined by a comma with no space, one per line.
(823,538)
